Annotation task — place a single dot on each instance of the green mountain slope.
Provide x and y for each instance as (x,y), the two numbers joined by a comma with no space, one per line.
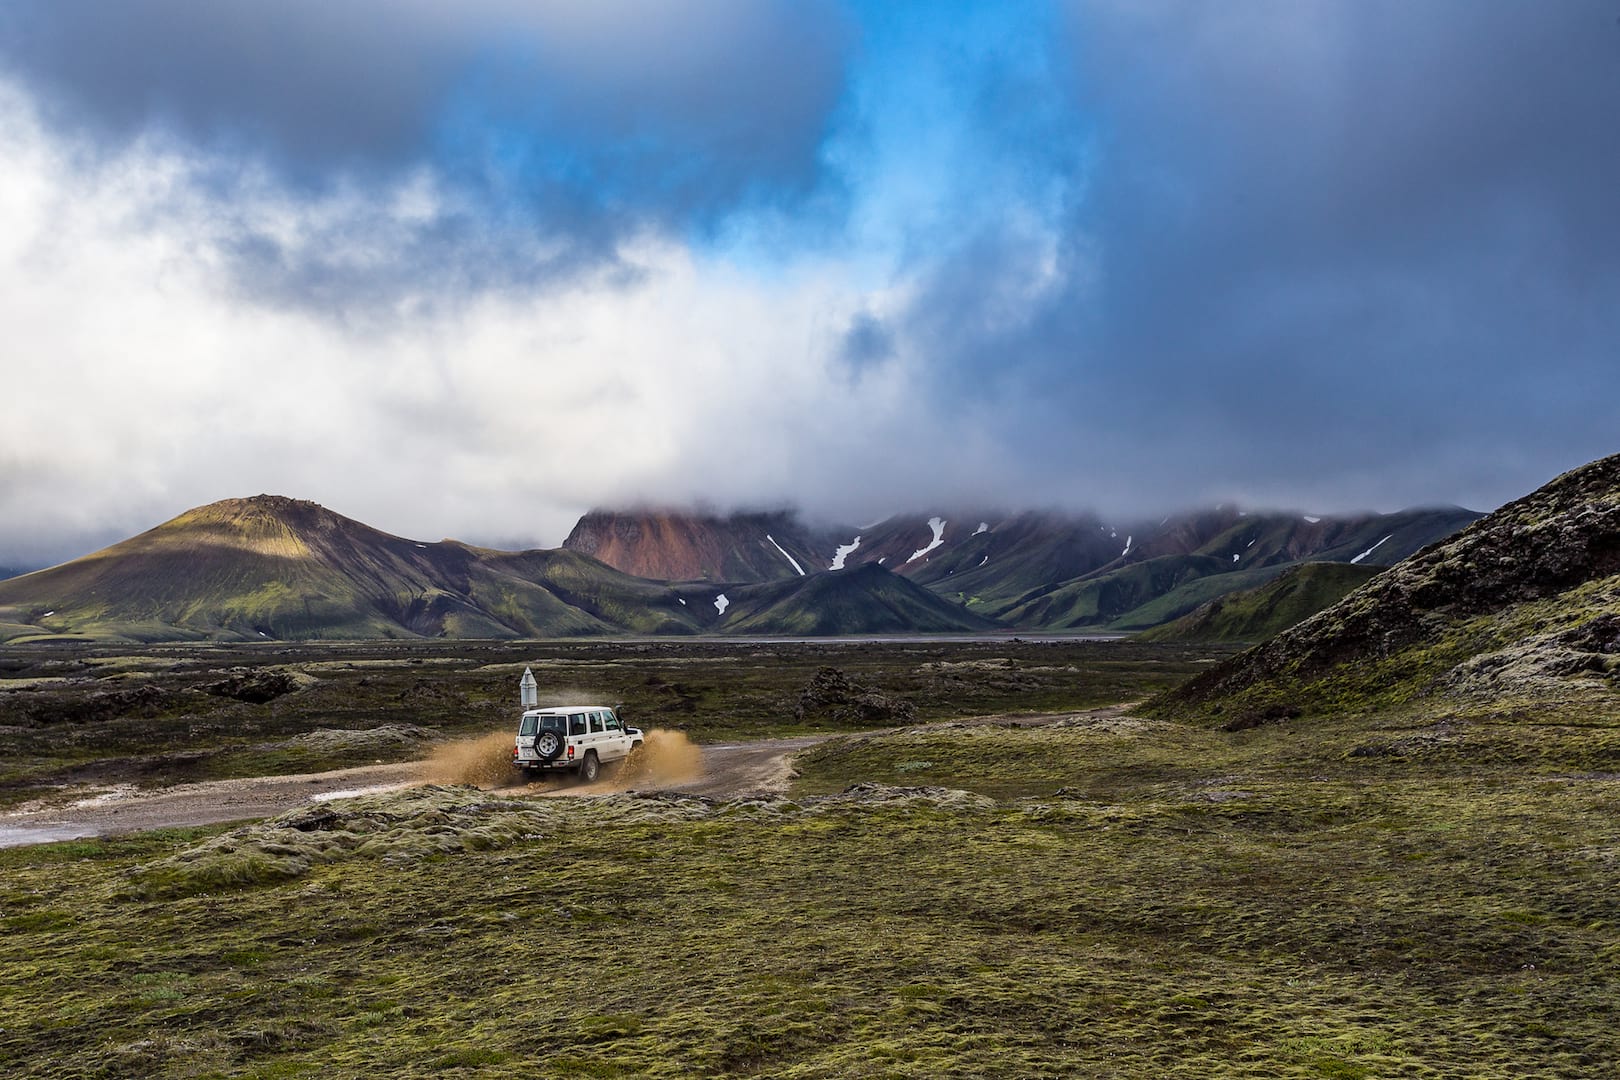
(864,600)
(1100,600)
(1170,569)
(1192,594)
(991,570)
(1521,608)
(271,567)
(1259,613)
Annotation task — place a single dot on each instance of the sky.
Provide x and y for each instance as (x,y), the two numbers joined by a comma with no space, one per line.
(471,269)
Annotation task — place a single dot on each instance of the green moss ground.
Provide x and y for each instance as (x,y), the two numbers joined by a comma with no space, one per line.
(1393,895)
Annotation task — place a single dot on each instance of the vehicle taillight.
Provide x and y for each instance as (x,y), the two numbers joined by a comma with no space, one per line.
(514,751)
(570,751)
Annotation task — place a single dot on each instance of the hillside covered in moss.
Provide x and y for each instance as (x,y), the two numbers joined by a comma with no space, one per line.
(1267,610)
(1523,605)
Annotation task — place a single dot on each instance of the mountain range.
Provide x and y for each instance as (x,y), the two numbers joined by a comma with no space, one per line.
(1034,570)
(1516,616)
(271,567)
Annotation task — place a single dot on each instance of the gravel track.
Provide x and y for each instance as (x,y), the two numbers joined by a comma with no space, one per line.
(729,769)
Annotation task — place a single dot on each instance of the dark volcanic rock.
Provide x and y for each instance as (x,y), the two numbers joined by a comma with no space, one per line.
(255,687)
(833,695)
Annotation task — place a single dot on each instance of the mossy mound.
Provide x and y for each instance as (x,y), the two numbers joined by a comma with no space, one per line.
(423,822)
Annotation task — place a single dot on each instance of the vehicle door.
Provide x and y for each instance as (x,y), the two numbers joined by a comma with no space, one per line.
(579,726)
(528,727)
(559,724)
(616,743)
(599,735)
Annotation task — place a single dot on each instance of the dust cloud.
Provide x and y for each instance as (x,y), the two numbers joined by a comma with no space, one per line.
(484,762)
(665,757)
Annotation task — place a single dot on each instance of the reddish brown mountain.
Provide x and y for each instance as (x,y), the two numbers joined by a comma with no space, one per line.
(680,546)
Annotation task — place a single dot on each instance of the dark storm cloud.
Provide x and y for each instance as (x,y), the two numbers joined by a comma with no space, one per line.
(1373,232)
(549,126)
(1369,248)
(316,84)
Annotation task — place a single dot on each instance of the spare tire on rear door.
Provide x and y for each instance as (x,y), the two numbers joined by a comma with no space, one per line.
(548,744)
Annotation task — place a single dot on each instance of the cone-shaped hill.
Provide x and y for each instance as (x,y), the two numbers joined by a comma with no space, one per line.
(273,567)
(1520,608)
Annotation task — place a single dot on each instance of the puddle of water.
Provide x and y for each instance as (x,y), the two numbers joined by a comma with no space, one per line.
(328,796)
(21,836)
(117,793)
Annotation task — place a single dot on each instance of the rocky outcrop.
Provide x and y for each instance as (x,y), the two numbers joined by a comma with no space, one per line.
(833,696)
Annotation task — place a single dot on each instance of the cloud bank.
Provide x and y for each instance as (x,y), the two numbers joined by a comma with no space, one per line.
(472,270)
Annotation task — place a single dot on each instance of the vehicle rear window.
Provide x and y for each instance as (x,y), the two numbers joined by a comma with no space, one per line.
(528,725)
(559,724)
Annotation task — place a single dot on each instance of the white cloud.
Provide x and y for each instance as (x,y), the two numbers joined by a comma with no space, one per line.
(142,381)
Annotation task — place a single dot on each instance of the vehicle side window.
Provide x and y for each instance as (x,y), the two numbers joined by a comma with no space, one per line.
(613,723)
(576,723)
(596,722)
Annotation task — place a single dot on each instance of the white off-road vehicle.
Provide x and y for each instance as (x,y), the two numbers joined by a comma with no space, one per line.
(576,738)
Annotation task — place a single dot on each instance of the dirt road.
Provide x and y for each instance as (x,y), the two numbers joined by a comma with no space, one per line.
(762,765)
(729,769)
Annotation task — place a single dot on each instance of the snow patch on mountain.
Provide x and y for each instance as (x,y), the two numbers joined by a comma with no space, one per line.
(984,526)
(844,551)
(721,603)
(938,525)
(1370,550)
(785,555)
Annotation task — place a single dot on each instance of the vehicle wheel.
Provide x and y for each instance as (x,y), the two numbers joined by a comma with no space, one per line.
(590,768)
(548,744)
